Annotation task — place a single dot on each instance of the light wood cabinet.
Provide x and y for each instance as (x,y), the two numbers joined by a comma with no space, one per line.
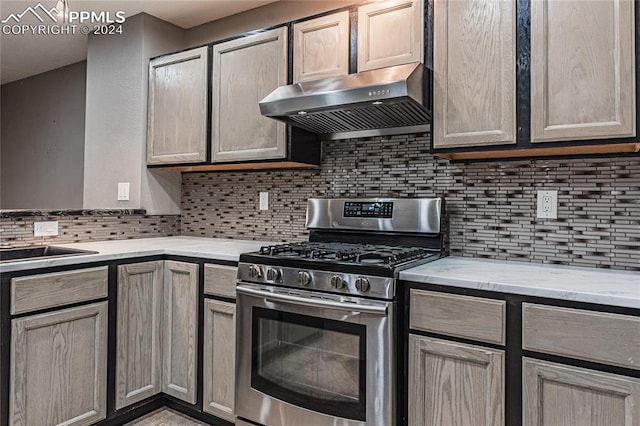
(180,330)
(59,367)
(454,384)
(474,73)
(601,337)
(220,280)
(177,108)
(157,331)
(245,70)
(219,359)
(139,350)
(484,319)
(556,394)
(582,70)
(44,291)
(321,47)
(390,33)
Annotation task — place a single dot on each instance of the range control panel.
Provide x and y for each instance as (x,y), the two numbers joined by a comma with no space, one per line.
(381,210)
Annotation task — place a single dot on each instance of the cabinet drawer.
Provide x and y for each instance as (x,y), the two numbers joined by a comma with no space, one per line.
(589,335)
(461,316)
(220,280)
(49,290)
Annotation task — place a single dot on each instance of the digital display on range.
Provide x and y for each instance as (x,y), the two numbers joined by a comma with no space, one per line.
(382,210)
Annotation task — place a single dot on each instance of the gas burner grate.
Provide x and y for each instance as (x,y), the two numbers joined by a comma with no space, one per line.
(365,254)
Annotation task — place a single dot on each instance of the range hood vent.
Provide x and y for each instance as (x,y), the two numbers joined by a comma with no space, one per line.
(380,102)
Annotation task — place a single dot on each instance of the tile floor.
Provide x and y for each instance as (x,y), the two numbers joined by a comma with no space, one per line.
(165,417)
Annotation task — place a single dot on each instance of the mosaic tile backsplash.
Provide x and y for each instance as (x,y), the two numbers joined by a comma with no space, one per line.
(18,231)
(491,206)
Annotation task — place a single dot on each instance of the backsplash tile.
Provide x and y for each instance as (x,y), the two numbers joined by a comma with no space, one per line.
(18,231)
(490,205)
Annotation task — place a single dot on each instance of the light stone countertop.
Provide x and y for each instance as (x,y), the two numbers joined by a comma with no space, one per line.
(590,285)
(206,248)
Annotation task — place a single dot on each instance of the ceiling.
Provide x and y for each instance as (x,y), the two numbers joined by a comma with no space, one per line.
(23,55)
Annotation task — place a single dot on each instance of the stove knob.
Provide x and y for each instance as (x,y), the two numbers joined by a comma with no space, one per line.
(304,278)
(337,282)
(362,284)
(274,274)
(255,271)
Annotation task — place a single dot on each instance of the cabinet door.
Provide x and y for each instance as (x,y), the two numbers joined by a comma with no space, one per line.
(59,367)
(390,33)
(139,350)
(177,108)
(474,75)
(454,384)
(180,330)
(321,47)
(582,70)
(246,70)
(555,394)
(219,359)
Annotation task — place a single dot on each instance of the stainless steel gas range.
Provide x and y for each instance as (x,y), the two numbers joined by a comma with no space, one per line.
(316,324)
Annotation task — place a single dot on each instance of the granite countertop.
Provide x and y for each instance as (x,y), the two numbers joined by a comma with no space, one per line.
(71,212)
(206,248)
(590,285)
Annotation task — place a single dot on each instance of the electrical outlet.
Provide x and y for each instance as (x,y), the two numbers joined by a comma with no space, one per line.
(123,191)
(547,205)
(45,229)
(264,200)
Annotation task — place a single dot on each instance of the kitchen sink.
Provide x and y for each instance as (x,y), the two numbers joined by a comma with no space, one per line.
(39,252)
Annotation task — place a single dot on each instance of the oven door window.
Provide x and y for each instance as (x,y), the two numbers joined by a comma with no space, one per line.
(310,362)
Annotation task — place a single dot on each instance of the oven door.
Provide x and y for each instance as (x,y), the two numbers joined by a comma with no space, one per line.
(308,358)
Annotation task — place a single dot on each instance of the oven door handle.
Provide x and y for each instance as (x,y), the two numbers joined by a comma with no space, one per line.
(313,302)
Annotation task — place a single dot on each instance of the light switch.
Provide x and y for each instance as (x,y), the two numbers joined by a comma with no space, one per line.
(123,191)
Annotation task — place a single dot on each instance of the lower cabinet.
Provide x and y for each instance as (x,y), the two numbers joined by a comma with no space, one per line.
(157,329)
(180,330)
(57,360)
(219,359)
(59,367)
(556,394)
(453,383)
(139,350)
(577,366)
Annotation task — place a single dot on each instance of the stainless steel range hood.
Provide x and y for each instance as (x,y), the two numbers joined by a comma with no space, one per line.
(385,101)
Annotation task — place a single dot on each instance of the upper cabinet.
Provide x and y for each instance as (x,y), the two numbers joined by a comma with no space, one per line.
(204,113)
(474,75)
(245,70)
(390,33)
(177,108)
(582,70)
(321,47)
(203,108)
(567,87)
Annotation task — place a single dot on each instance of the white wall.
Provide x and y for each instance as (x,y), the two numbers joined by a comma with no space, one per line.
(42,140)
(116,118)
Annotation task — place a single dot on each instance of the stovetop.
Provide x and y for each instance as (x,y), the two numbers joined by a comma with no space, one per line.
(366,259)
(362,254)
